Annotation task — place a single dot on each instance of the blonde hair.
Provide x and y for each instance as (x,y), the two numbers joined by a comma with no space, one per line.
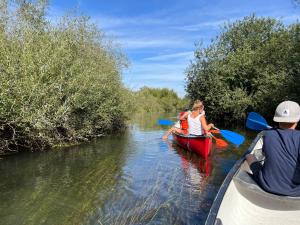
(198,105)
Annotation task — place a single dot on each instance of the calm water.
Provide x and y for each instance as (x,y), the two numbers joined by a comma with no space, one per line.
(132,178)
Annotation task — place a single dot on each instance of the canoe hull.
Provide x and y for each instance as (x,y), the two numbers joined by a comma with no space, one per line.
(241,201)
(200,145)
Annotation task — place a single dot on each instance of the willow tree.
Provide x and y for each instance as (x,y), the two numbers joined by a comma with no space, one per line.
(59,83)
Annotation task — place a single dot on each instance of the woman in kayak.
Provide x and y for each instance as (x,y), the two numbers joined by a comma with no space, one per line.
(196,121)
(180,127)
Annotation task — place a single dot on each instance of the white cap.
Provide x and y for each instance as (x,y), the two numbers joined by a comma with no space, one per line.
(287,112)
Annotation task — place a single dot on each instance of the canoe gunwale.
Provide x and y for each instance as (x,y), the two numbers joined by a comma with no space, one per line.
(211,218)
(192,136)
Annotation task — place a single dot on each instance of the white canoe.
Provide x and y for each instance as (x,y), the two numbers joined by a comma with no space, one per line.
(240,201)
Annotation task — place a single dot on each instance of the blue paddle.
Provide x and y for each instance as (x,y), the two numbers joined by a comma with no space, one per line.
(165,122)
(256,122)
(230,136)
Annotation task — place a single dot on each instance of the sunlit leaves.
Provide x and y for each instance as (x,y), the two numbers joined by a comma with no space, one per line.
(249,66)
(59,83)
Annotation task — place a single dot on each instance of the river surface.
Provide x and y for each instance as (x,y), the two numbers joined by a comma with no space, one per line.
(131,178)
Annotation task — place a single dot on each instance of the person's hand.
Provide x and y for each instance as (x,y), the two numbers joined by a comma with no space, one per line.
(250,158)
(211,125)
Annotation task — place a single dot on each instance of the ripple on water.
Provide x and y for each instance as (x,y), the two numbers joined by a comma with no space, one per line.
(132,179)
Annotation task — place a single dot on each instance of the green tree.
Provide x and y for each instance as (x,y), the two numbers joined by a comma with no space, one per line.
(158,100)
(247,67)
(294,64)
(59,83)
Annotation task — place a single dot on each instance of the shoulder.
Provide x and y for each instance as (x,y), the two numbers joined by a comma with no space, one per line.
(270,132)
(281,133)
(202,114)
(270,135)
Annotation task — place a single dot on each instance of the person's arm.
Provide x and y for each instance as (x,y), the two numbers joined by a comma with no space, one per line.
(204,124)
(184,116)
(254,165)
(250,158)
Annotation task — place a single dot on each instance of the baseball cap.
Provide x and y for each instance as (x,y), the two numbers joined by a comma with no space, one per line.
(287,112)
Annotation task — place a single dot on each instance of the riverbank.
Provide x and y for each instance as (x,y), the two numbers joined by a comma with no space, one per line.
(60,83)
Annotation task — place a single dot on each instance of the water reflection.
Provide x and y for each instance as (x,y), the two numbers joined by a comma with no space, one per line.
(134,178)
(192,162)
(61,187)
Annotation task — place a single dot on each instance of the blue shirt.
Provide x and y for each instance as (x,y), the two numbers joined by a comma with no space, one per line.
(280,173)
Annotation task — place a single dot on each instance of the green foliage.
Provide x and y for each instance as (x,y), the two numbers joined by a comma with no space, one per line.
(294,63)
(59,83)
(251,65)
(156,100)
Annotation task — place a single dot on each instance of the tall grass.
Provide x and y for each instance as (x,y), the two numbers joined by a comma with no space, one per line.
(59,83)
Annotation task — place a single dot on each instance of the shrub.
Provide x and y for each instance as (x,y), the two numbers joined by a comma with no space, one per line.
(251,65)
(59,83)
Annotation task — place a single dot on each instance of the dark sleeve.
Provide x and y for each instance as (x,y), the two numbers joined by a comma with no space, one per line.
(255,167)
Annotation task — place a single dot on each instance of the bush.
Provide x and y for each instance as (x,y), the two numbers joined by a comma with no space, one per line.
(59,83)
(252,65)
(158,100)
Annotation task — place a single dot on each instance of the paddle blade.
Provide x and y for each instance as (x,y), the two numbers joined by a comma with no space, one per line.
(233,137)
(256,122)
(221,143)
(165,122)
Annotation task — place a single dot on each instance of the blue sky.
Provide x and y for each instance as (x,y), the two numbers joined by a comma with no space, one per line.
(159,36)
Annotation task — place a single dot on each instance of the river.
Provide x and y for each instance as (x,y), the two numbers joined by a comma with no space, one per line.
(130,178)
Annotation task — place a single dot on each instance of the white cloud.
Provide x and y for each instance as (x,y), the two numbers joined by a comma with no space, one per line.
(169,74)
(108,22)
(149,42)
(206,25)
(290,19)
(158,68)
(180,55)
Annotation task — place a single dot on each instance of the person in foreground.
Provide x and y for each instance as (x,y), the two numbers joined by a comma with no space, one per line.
(280,173)
(196,121)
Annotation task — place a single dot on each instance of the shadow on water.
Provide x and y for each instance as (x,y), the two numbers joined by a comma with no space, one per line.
(134,178)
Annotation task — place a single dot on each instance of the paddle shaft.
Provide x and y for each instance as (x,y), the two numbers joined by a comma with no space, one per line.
(263,124)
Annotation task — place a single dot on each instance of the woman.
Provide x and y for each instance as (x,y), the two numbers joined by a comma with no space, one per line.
(180,127)
(196,121)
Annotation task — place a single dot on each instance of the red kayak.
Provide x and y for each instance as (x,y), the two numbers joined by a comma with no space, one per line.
(201,145)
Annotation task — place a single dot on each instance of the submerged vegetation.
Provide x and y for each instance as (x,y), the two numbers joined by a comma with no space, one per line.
(60,83)
(253,64)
